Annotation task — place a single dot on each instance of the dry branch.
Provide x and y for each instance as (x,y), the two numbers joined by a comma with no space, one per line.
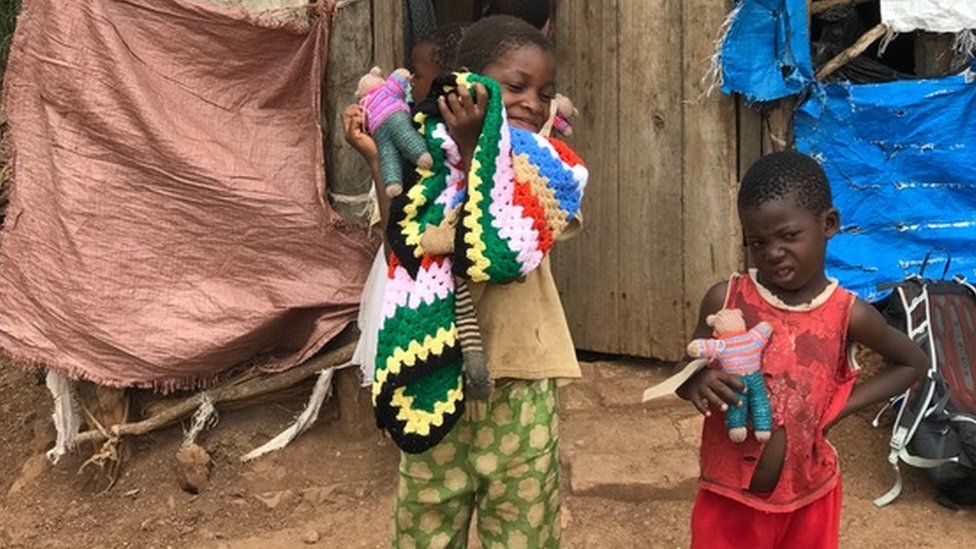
(241,388)
(862,44)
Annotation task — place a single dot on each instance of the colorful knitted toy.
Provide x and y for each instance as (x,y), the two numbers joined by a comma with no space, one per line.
(521,191)
(388,121)
(565,112)
(740,352)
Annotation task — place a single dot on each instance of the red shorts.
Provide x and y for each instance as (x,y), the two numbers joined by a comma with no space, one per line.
(718,522)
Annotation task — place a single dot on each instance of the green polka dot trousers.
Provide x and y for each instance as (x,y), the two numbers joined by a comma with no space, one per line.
(501,459)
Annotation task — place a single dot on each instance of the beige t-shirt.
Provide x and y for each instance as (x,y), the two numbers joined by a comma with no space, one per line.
(523,325)
(524,329)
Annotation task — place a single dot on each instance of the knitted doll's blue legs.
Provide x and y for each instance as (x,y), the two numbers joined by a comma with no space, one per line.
(396,136)
(405,137)
(762,417)
(735,416)
(391,165)
(755,404)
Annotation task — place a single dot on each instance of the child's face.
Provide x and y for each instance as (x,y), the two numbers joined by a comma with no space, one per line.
(527,76)
(425,69)
(787,243)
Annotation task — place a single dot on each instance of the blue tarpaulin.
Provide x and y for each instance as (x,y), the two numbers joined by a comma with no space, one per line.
(901,159)
(765,53)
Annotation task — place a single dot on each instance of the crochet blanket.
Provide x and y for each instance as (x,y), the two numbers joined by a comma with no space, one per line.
(520,193)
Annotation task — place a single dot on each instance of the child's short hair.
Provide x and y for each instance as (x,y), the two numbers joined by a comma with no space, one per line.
(491,38)
(445,40)
(533,12)
(782,174)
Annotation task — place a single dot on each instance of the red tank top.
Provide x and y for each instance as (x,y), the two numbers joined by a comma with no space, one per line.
(808,377)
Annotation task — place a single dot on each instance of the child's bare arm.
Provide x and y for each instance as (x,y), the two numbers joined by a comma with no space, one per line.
(710,387)
(904,360)
(354,125)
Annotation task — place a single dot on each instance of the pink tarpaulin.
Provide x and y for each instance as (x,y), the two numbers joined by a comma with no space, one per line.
(168,221)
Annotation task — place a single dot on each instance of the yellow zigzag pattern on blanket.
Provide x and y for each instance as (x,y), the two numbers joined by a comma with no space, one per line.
(419,421)
(411,228)
(415,351)
(476,251)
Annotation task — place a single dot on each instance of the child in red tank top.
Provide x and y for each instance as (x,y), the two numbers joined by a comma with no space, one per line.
(786,492)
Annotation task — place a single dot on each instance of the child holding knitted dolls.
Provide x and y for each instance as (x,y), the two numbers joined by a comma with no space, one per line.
(783,489)
(430,57)
(499,455)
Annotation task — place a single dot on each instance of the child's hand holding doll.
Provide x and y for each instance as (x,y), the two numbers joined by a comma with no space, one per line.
(354,124)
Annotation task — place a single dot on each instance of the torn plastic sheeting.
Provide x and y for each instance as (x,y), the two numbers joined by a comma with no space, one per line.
(169,222)
(930,15)
(765,52)
(899,159)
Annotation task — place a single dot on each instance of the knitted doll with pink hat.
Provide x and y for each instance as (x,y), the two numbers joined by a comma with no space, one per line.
(388,121)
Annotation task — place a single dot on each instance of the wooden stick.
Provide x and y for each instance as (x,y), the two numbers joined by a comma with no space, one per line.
(228,392)
(856,49)
(820,6)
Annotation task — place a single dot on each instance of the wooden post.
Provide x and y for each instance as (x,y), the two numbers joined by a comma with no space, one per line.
(355,404)
(103,407)
(933,54)
(350,56)
(387,33)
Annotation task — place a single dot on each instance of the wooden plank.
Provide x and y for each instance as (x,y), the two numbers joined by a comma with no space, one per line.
(587,267)
(350,56)
(749,142)
(649,214)
(712,248)
(388,34)
(933,54)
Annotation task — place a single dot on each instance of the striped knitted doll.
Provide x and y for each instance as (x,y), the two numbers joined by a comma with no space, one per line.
(739,352)
(388,121)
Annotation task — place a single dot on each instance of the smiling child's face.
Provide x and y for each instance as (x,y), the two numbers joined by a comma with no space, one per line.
(527,76)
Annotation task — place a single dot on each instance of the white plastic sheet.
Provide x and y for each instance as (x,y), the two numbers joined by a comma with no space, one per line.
(930,15)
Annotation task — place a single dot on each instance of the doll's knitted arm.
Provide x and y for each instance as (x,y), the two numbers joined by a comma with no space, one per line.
(761,332)
(562,125)
(397,84)
(705,348)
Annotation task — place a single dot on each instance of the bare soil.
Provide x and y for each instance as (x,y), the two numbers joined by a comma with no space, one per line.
(336,490)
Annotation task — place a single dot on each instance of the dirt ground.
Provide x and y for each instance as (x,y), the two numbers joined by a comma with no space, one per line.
(337,492)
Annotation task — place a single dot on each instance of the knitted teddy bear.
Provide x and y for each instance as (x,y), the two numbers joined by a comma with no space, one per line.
(388,121)
(739,352)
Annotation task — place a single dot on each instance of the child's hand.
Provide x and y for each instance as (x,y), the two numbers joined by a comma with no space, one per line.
(354,124)
(464,116)
(711,386)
